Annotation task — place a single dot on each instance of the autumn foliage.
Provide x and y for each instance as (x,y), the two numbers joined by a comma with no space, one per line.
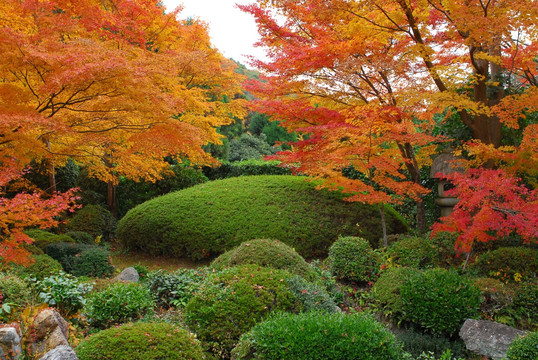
(492,204)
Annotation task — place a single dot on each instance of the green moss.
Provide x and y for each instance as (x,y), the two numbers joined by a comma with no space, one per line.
(144,341)
(208,219)
(268,253)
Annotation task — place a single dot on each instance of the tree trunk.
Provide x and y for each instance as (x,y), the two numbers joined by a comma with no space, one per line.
(51,170)
(111,198)
(381,208)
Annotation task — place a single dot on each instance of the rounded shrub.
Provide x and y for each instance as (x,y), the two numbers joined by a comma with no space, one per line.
(388,287)
(423,252)
(312,296)
(119,303)
(42,267)
(94,262)
(524,348)
(265,252)
(64,250)
(95,220)
(352,259)
(509,264)
(315,335)
(141,341)
(211,218)
(230,302)
(81,237)
(43,238)
(439,300)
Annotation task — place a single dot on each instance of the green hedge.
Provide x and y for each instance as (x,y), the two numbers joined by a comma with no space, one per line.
(208,219)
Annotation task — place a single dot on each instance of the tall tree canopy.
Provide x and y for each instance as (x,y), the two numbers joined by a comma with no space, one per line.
(365,77)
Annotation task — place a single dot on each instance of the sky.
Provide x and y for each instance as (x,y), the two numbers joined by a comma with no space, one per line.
(232,31)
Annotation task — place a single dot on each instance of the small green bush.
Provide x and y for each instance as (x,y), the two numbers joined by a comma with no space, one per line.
(81,237)
(64,292)
(510,264)
(94,262)
(119,303)
(173,289)
(417,343)
(496,296)
(314,335)
(208,219)
(246,168)
(424,252)
(311,296)
(524,308)
(524,348)
(141,341)
(14,290)
(42,267)
(352,259)
(230,302)
(95,220)
(43,238)
(388,287)
(267,253)
(63,251)
(439,300)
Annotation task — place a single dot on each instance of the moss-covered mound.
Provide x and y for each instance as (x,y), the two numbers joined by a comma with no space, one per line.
(264,252)
(210,218)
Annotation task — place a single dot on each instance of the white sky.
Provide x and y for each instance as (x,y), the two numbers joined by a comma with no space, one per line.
(232,31)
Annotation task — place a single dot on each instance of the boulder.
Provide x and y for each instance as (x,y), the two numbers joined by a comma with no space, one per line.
(48,331)
(61,352)
(488,338)
(10,344)
(128,275)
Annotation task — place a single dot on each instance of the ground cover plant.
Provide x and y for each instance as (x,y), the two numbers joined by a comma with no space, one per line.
(208,219)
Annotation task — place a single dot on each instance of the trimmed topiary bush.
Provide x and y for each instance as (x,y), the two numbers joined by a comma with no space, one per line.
(510,264)
(314,335)
(94,262)
(43,238)
(119,303)
(352,259)
(524,348)
(208,219)
(387,289)
(144,341)
(230,302)
(95,220)
(42,267)
(439,300)
(268,253)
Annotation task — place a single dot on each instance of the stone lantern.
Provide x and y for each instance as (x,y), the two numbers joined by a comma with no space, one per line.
(445,163)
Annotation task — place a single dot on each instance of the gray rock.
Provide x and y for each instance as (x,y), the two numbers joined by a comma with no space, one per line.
(10,344)
(61,352)
(128,275)
(48,331)
(488,338)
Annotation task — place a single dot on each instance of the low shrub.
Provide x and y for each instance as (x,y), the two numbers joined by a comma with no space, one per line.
(496,297)
(173,289)
(311,296)
(95,220)
(267,253)
(314,335)
(509,264)
(147,341)
(524,307)
(524,348)
(93,262)
(208,219)
(424,252)
(119,303)
(63,251)
(246,168)
(439,300)
(142,271)
(388,287)
(14,290)
(81,237)
(417,343)
(43,238)
(42,267)
(325,279)
(64,292)
(352,259)
(230,302)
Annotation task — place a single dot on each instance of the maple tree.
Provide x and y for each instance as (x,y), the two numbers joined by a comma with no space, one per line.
(364,78)
(101,81)
(492,204)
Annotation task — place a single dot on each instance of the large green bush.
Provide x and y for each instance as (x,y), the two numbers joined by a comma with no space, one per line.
(313,336)
(208,219)
(524,348)
(439,300)
(141,341)
(95,220)
(269,253)
(509,264)
(230,302)
(352,259)
(120,302)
